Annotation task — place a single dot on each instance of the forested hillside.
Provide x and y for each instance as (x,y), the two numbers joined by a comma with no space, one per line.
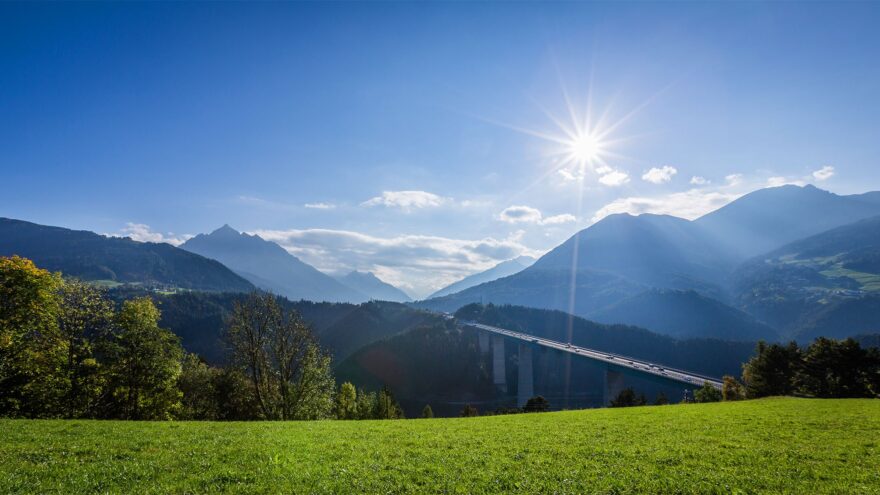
(113,260)
(342,328)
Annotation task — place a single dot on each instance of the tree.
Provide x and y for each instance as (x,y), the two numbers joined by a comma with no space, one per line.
(290,375)
(707,393)
(85,320)
(537,404)
(32,350)
(834,368)
(386,406)
(627,398)
(771,371)
(144,364)
(469,411)
(346,402)
(731,389)
(197,386)
(234,396)
(661,400)
(427,412)
(366,405)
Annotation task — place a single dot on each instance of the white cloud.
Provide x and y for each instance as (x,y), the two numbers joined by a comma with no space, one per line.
(406,200)
(141,232)
(320,206)
(699,181)
(520,214)
(687,204)
(659,175)
(734,179)
(612,177)
(417,263)
(527,214)
(824,173)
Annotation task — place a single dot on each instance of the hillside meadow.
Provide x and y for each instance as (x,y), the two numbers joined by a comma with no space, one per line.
(770,445)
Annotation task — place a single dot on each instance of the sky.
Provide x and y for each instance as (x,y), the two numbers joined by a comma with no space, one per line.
(425,141)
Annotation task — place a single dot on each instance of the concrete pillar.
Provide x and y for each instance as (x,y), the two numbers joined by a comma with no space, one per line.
(526,377)
(484,341)
(613,385)
(499,373)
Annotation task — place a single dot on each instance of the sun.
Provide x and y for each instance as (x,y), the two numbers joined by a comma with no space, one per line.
(584,148)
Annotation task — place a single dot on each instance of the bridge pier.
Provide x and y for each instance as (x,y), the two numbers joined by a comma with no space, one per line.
(483,337)
(613,385)
(499,373)
(526,377)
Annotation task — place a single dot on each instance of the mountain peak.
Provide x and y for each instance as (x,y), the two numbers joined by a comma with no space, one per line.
(225,230)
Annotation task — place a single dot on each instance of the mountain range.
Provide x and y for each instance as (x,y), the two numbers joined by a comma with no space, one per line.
(501,270)
(676,276)
(115,260)
(269,266)
(370,285)
(778,263)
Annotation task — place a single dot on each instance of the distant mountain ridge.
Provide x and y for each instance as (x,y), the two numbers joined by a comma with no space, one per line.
(270,267)
(622,256)
(503,269)
(370,285)
(826,284)
(94,257)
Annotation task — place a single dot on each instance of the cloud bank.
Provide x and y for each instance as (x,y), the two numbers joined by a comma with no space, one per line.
(419,264)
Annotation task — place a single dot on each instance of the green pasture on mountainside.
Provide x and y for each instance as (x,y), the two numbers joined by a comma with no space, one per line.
(771,445)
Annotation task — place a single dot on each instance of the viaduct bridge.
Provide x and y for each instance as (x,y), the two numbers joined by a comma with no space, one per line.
(616,366)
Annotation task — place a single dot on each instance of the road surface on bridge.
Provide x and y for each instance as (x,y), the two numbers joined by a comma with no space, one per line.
(625,362)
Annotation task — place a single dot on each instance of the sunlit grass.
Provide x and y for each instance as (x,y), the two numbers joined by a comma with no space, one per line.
(777,445)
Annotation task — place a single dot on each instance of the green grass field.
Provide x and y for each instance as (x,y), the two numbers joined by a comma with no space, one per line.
(772,445)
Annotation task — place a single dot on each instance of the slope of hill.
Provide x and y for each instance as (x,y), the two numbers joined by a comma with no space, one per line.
(833,273)
(769,218)
(199,320)
(461,373)
(94,257)
(778,445)
(548,289)
(370,285)
(685,314)
(501,270)
(269,266)
(654,250)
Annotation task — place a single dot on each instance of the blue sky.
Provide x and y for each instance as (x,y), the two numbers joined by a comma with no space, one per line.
(401,138)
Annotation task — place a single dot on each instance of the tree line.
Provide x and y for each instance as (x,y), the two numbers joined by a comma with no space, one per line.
(68,351)
(826,368)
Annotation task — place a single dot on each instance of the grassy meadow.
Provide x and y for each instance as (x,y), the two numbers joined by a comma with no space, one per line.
(769,445)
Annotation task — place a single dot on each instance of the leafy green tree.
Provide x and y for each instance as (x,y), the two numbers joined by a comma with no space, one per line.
(197,386)
(32,351)
(707,393)
(628,398)
(772,370)
(85,320)
(427,412)
(731,389)
(469,411)
(234,396)
(834,368)
(366,405)
(290,375)
(144,364)
(661,400)
(386,406)
(537,404)
(346,402)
